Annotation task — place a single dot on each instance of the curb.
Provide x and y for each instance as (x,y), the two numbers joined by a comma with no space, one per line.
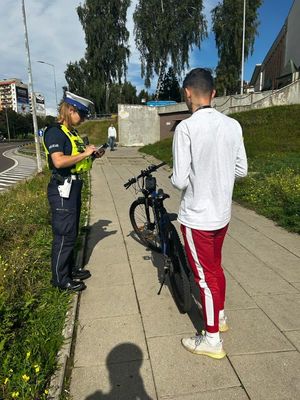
(58,378)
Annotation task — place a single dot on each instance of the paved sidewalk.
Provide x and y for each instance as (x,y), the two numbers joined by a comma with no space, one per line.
(128,338)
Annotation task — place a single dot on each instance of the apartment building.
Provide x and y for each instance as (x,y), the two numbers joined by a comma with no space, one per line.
(14,95)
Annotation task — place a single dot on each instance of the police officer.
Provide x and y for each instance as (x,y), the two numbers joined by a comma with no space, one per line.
(68,157)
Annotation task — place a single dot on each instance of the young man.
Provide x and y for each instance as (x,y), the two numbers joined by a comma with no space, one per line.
(208,154)
(112,135)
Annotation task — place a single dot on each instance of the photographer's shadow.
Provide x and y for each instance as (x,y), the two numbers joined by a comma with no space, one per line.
(97,232)
(125,379)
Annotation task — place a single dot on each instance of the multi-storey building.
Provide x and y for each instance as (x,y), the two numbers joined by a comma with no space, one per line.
(14,95)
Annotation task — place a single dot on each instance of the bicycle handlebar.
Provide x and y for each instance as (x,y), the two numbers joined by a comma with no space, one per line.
(144,173)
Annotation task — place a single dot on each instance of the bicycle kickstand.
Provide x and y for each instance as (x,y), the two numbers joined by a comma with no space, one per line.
(166,271)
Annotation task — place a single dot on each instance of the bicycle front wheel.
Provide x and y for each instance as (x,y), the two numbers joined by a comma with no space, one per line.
(179,272)
(143,222)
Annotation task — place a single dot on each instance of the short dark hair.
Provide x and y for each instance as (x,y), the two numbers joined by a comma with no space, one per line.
(199,79)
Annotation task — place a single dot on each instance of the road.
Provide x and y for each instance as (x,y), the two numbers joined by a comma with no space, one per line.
(5,162)
(13,166)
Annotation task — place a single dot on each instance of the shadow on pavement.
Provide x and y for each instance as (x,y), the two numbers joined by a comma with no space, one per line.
(158,262)
(125,379)
(96,232)
(194,314)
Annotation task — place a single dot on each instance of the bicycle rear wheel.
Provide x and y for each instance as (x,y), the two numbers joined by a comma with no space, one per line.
(179,272)
(143,222)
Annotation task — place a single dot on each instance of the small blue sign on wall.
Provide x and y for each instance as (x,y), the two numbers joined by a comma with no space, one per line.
(41,132)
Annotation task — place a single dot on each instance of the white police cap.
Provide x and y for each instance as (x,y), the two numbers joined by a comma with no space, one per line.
(80,103)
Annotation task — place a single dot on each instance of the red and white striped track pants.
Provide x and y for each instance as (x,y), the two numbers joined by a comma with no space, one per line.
(204,252)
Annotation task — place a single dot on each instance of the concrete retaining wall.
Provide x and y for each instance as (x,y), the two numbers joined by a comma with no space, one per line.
(224,103)
(138,125)
(288,95)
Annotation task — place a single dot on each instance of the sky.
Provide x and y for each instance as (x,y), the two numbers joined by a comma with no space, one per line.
(56,37)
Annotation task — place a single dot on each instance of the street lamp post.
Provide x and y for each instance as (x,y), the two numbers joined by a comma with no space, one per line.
(53,66)
(30,84)
(243,48)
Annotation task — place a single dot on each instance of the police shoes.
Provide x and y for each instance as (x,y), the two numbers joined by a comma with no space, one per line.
(81,274)
(72,286)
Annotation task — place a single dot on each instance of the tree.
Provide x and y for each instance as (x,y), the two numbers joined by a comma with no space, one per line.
(170,89)
(124,93)
(107,52)
(227,20)
(165,32)
(143,96)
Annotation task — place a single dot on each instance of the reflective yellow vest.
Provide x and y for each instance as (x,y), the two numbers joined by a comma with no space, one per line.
(78,147)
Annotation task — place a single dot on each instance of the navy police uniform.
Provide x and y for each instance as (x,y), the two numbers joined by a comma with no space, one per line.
(65,211)
(64,196)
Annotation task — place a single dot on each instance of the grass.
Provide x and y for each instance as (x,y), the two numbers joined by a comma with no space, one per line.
(32,312)
(96,131)
(272,141)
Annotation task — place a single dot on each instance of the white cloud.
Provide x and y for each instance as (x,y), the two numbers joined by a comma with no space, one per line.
(55,36)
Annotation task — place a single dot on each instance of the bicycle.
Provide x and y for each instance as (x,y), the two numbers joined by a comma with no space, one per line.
(152,224)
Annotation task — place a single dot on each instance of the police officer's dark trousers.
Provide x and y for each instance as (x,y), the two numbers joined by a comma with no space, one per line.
(65,223)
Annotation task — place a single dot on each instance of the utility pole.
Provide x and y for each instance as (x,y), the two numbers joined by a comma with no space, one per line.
(34,119)
(243,48)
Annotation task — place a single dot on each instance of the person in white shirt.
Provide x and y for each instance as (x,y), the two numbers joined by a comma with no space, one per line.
(208,155)
(112,135)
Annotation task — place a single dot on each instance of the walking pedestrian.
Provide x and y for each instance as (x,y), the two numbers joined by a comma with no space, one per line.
(68,157)
(208,154)
(112,135)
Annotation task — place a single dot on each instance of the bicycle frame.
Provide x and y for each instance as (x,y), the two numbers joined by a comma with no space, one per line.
(155,230)
(161,218)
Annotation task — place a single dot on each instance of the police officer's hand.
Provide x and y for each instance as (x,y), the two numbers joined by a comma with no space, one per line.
(89,150)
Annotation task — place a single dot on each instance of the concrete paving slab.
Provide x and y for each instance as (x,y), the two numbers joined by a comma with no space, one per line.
(294,338)
(108,274)
(272,254)
(109,255)
(236,296)
(288,240)
(283,310)
(103,236)
(97,338)
(296,285)
(251,331)
(109,301)
(236,393)
(253,275)
(117,381)
(190,373)
(160,314)
(270,376)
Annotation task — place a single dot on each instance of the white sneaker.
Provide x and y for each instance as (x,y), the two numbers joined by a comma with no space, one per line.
(223,326)
(199,345)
